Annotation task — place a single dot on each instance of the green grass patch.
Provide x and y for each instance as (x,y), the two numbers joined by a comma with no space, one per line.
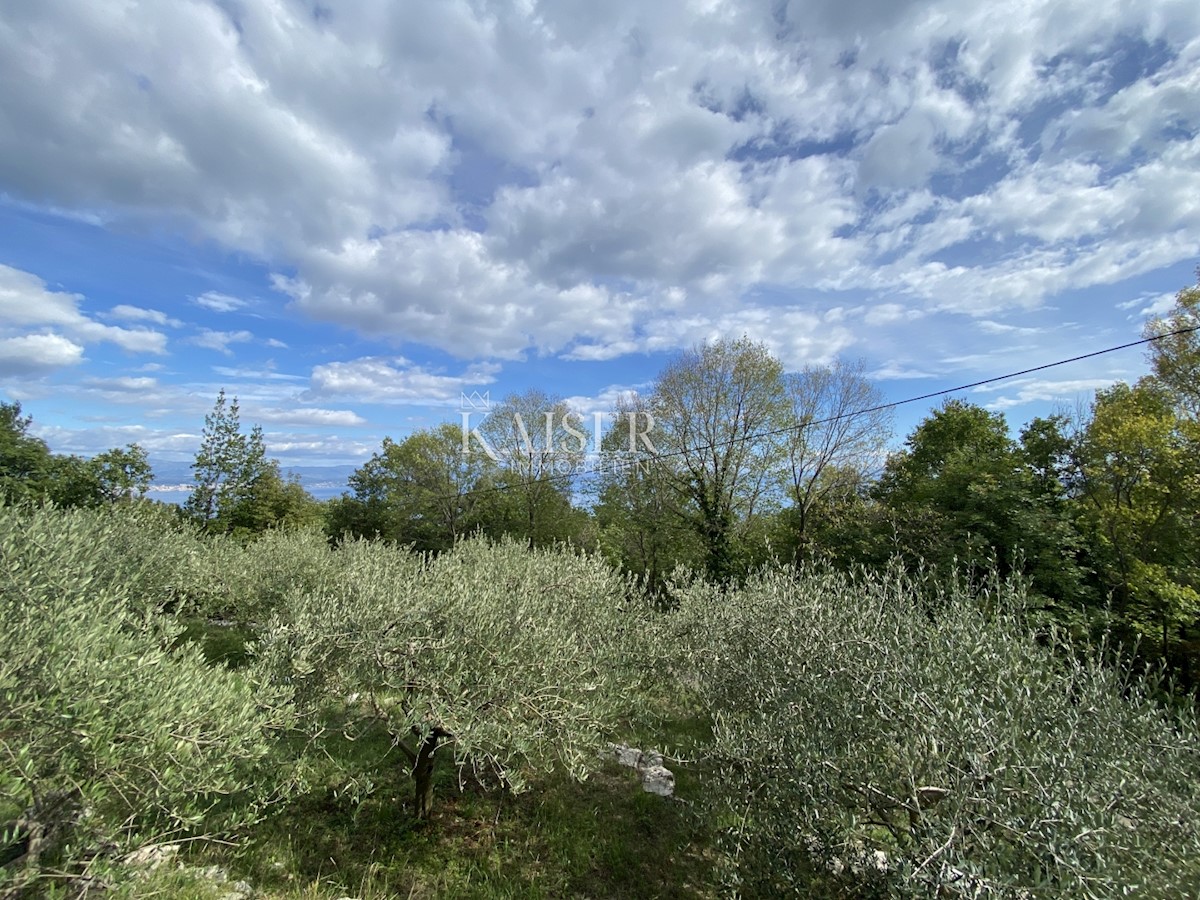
(223,643)
(604,837)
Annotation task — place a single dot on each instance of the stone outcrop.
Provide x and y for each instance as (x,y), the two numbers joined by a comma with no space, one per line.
(656,778)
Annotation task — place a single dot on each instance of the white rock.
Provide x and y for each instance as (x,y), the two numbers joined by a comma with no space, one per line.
(628,756)
(153,855)
(650,759)
(658,780)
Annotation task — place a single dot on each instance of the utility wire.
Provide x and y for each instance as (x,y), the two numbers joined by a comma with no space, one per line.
(846,415)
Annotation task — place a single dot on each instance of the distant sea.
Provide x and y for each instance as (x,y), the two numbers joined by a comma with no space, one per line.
(173,480)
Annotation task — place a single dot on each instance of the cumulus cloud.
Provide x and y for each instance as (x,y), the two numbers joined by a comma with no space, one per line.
(33,355)
(395,380)
(560,179)
(26,303)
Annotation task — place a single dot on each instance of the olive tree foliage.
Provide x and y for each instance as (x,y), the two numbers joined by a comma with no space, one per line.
(920,742)
(711,408)
(840,437)
(111,736)
(492,657)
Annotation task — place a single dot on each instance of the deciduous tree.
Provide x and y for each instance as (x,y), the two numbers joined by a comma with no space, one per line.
(719,414)
(840,436)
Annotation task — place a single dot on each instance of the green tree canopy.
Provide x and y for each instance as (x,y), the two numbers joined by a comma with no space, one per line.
(237,488)
(424,491)
(1175,356)
(712,407)
(1136,466)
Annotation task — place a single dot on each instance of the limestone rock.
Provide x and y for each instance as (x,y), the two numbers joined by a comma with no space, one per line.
(658,780)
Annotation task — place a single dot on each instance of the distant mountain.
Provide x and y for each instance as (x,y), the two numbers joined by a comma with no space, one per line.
(173,480)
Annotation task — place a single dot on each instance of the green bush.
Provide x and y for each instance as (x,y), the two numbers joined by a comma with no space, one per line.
(923,743)
(111,739)
(506,660)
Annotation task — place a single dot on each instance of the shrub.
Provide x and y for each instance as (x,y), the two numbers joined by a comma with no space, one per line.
(855,715)
(110,738)
(506,660)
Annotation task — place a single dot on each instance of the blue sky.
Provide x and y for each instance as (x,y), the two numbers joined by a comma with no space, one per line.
(349,214)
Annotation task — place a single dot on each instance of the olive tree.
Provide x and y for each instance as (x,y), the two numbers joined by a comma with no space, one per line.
(919,741)
(112,736)
(504,660)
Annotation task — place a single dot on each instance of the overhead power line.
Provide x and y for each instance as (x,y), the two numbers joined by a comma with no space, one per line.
(759,435)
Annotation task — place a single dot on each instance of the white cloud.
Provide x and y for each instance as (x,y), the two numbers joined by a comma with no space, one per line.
(220,340)
(122,383)
(218,302)
(307,416)
(98,438)
(1149,305)
(1041,390)
(141,314)
(33,355)
(561,179)
(989,327)
(395,380)
(265,374)
(26,302)
(897,371)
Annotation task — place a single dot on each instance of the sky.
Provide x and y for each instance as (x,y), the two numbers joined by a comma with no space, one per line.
(349,214)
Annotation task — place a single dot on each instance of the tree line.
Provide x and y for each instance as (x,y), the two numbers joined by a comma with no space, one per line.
(727,463)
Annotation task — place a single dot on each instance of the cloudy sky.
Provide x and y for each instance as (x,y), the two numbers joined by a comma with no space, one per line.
(349,213)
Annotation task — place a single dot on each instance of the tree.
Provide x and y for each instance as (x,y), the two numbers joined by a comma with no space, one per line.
(123,473)
(424,491)
(638,514)
(115,732)
(1176,357)
(227,469)
(29,471)
(25,460)
(1136,466)
(964,493)
(840,437)
(719,411)
(867,743)
(498,658)
(538,444)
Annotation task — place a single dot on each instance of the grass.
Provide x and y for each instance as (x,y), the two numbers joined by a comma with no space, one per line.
(222,643)
(603,838)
